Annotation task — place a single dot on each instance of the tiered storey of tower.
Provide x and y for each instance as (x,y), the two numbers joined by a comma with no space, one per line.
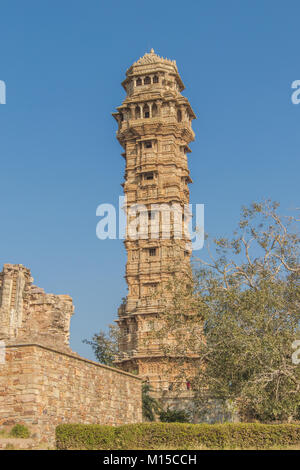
(155,131)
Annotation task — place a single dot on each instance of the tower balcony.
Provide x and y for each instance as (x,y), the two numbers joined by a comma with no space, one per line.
(150,126)
(150,159)
(148,304)
(142,306)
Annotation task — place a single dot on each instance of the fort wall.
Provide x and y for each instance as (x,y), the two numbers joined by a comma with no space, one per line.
(42,381)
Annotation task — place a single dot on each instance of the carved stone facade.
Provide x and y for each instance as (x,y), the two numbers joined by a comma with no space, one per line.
(154,128)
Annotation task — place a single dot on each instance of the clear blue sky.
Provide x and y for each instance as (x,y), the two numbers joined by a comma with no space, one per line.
(63,62)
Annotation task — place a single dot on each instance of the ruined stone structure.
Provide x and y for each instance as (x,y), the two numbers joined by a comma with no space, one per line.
(28,314)
(42,382)
(154,128)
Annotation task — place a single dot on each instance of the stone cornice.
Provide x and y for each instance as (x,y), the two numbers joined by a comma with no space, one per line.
(156,126)
(72,356)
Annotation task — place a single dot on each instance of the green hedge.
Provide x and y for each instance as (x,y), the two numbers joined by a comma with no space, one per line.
(176,436)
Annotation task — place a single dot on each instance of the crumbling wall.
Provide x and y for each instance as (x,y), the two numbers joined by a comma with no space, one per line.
(27,313)
(42,382)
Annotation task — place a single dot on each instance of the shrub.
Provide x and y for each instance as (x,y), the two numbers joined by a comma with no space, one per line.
(183,436)
(174,416)
(19,430)
(85,436)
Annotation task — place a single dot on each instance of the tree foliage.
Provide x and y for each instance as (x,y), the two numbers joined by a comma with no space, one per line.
(151,406)
(239,314)
(174,416)
(105,345)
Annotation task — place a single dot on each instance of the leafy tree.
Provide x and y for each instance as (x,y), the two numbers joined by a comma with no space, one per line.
(105,345)
(238,315)
(151,406)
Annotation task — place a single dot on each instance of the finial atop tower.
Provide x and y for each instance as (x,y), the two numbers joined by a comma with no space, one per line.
(152,51)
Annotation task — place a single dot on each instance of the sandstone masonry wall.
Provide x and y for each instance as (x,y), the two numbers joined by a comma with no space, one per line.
(42,388)
(42,381)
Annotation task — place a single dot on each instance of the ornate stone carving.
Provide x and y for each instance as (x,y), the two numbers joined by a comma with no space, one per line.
(150,80)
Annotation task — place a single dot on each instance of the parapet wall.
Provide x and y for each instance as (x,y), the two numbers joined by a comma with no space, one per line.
(42,388)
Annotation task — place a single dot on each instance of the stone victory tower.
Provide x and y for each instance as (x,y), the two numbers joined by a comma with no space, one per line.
(154,128)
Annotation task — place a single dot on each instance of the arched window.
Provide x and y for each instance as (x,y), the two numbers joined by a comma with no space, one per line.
(155,79)
(146,111)
(147,81)
(121,117)
(154,110)
(139,82)
(179,116)
(137,112)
